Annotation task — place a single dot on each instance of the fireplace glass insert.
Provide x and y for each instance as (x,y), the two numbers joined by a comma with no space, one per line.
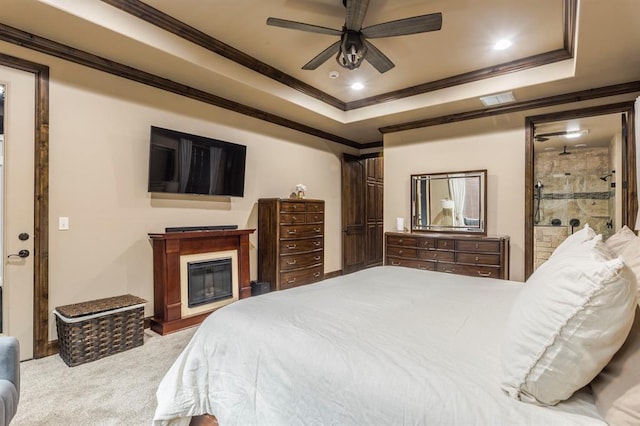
(209,281)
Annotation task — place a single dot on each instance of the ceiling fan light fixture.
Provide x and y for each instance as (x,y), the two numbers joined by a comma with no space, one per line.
(352,50)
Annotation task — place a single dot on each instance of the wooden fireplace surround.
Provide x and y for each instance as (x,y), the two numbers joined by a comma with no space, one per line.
(167,249)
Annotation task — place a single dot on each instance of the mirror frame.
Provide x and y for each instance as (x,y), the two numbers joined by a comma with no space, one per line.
(461,230)
(628,174)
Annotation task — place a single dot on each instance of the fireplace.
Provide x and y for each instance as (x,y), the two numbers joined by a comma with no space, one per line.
(210,254)
(208,281)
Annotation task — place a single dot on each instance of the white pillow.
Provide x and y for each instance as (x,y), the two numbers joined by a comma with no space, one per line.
(570,318)
(618,241)
(575,239)
(631,256)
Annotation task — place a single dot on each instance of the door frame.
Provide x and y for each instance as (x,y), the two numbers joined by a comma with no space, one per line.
(41,345)
(628,173)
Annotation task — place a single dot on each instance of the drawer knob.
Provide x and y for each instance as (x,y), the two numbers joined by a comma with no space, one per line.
(400,251)
(292,246)
(435,255)
(477,258)
(316,258)
(316,275)
(485,274)
(477,245)
(400,241)
(395,263)
(292,262)
(316,229)
(291,231)
(316,243)
(291,281)
(450,271)
(444,244)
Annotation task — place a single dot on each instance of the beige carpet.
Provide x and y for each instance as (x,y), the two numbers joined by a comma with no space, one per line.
(116,390)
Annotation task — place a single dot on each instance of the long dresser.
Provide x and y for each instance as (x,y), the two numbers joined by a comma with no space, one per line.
(290,242)
(478,256)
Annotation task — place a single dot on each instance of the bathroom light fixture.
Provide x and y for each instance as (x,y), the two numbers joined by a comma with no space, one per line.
(357,86)
(575,133)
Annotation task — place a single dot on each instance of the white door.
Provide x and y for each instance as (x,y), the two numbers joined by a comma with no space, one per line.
(18,206)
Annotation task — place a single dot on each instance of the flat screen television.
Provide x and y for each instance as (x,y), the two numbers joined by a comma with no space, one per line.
(182,163)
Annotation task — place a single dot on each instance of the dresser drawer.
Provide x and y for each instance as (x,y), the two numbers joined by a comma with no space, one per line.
(397,261)
(446,244)
(479,258)
(409,263)
(442,256)
(401,241)
(474,271)
(293,218)
(402,252)
(301,246)
(479,246)
(300,277)
(291,206)
(297,261)
(428,243)
(299,231)
(315,217)
(315,207)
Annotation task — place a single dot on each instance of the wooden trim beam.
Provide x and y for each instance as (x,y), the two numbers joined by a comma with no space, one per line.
(566,98)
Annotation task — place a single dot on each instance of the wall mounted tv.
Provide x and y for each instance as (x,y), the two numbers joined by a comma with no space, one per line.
(188,164)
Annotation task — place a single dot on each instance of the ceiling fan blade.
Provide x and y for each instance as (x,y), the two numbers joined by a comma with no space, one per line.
(293,25)
(356,10)
(378,59)
(322,57)
(414,25)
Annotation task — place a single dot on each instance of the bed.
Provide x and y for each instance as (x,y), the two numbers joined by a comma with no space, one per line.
(386,345)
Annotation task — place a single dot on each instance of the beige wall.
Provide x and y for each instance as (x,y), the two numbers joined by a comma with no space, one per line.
(470,145)
(99,142)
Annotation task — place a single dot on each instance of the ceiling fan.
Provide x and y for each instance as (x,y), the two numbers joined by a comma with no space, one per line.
(353,47)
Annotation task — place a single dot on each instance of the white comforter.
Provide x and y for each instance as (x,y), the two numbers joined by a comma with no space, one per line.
(384,346)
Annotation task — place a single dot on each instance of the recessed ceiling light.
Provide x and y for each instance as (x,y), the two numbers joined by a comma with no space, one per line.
(334,74)
(357,86)
(502,44)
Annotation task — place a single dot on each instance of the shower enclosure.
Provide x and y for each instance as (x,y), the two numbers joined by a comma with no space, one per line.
(575,184)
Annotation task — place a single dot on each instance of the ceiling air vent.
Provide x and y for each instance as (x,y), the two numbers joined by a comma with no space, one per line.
(497,99)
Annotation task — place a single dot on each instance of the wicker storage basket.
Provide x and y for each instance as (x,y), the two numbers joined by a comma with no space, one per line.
(92,330)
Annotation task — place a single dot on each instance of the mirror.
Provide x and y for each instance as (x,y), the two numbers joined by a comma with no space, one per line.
(449,202)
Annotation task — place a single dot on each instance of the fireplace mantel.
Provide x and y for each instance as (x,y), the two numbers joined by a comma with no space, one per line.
(167,249)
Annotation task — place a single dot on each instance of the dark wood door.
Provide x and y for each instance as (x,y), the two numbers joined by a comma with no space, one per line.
(353,214)
(362,206)
(374,207)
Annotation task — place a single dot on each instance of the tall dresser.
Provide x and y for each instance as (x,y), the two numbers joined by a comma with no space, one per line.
(477,256)
(290,242)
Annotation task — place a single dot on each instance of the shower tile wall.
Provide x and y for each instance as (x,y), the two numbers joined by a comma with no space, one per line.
(573,188)
(546,239)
